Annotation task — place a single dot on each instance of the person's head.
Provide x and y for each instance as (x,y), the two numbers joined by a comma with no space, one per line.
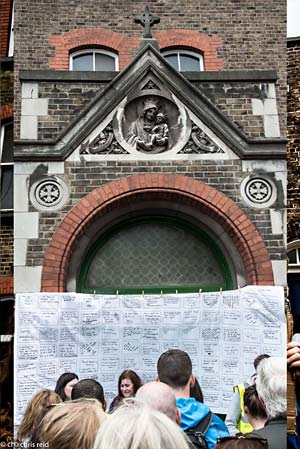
(35,411)
(150,109)
(89,388)
(150,114)
(271,385)
(160,118)
(160,397)
(258,359)
(241,441)
(253,405)
(73,424)
(65,384)
(196,392)
(129,383)
(174,368)
(135,425)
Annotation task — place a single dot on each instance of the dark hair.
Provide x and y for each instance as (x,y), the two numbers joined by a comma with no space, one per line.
(196,392)
(62,381)
(258,359)
(135,379)
(240,441)
(174,368)
(253,404)
(88,388)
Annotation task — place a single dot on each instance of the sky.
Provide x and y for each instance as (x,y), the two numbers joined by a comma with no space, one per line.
(293,18)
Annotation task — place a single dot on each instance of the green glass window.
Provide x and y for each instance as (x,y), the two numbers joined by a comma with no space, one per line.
(154,255)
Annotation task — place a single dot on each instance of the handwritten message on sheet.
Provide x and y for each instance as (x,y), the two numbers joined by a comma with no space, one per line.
(99,336)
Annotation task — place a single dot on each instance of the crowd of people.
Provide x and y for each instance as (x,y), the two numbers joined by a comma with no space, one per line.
(167,413)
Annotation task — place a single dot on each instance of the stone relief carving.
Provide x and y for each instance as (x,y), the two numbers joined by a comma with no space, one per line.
(258,190)
(151,124)
(48,194)
(199,142)
(150,131)
(104,143)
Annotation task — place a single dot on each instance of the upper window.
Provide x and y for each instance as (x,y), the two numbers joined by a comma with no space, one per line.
(294,254)
(94,60)
(184,61)
(6,167)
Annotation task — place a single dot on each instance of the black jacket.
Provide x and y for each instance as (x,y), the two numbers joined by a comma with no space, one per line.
(275,432)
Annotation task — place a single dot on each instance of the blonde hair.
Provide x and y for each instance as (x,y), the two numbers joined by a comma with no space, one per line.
(73,424)
(134,425)
(35,411)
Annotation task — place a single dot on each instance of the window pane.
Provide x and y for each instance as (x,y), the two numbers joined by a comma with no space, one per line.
(173,60)
(153,255)
(7,149)
(292,256)
(189,63)
(6,199)
(105,62)
(83,62)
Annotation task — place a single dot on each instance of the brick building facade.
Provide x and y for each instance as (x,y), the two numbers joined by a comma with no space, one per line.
(222,173)
(293,152)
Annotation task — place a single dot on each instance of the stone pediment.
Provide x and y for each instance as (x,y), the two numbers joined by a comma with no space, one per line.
(150,111)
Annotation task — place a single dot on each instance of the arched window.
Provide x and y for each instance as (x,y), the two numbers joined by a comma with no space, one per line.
(94,60)
(184,61)
(294,256)
(154,254)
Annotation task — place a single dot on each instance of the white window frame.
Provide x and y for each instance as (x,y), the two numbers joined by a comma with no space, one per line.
(94,51)
(179,52)
(294,267)
(11,35)
(4,164)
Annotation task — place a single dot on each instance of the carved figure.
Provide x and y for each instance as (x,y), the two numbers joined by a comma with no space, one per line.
(140,131)
(160,132)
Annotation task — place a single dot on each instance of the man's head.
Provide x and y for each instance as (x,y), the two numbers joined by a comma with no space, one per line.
(89,388)
(271,385)
(174,368)
(160,396)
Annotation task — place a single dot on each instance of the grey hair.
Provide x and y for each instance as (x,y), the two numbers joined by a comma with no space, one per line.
(271,385)
(134,425)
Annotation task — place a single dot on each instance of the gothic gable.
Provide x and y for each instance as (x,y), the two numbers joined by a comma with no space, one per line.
(118,123)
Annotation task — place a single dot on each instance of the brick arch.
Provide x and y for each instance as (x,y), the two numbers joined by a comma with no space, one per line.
(90,37)
(193,40)
(195,193)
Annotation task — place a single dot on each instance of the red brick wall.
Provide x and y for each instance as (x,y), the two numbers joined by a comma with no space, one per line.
(5,18)
(6,111)
(125,46)
(122,45)
(6,285)
(193,40)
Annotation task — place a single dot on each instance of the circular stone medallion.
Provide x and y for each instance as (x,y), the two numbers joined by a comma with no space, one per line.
(49,194)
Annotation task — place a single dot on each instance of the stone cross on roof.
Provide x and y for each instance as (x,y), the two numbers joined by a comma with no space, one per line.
(147,20)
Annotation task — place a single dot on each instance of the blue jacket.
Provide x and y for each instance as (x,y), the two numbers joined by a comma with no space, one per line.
(192,412)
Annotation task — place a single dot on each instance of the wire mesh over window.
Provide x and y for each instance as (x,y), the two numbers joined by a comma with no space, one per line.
(150,255)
